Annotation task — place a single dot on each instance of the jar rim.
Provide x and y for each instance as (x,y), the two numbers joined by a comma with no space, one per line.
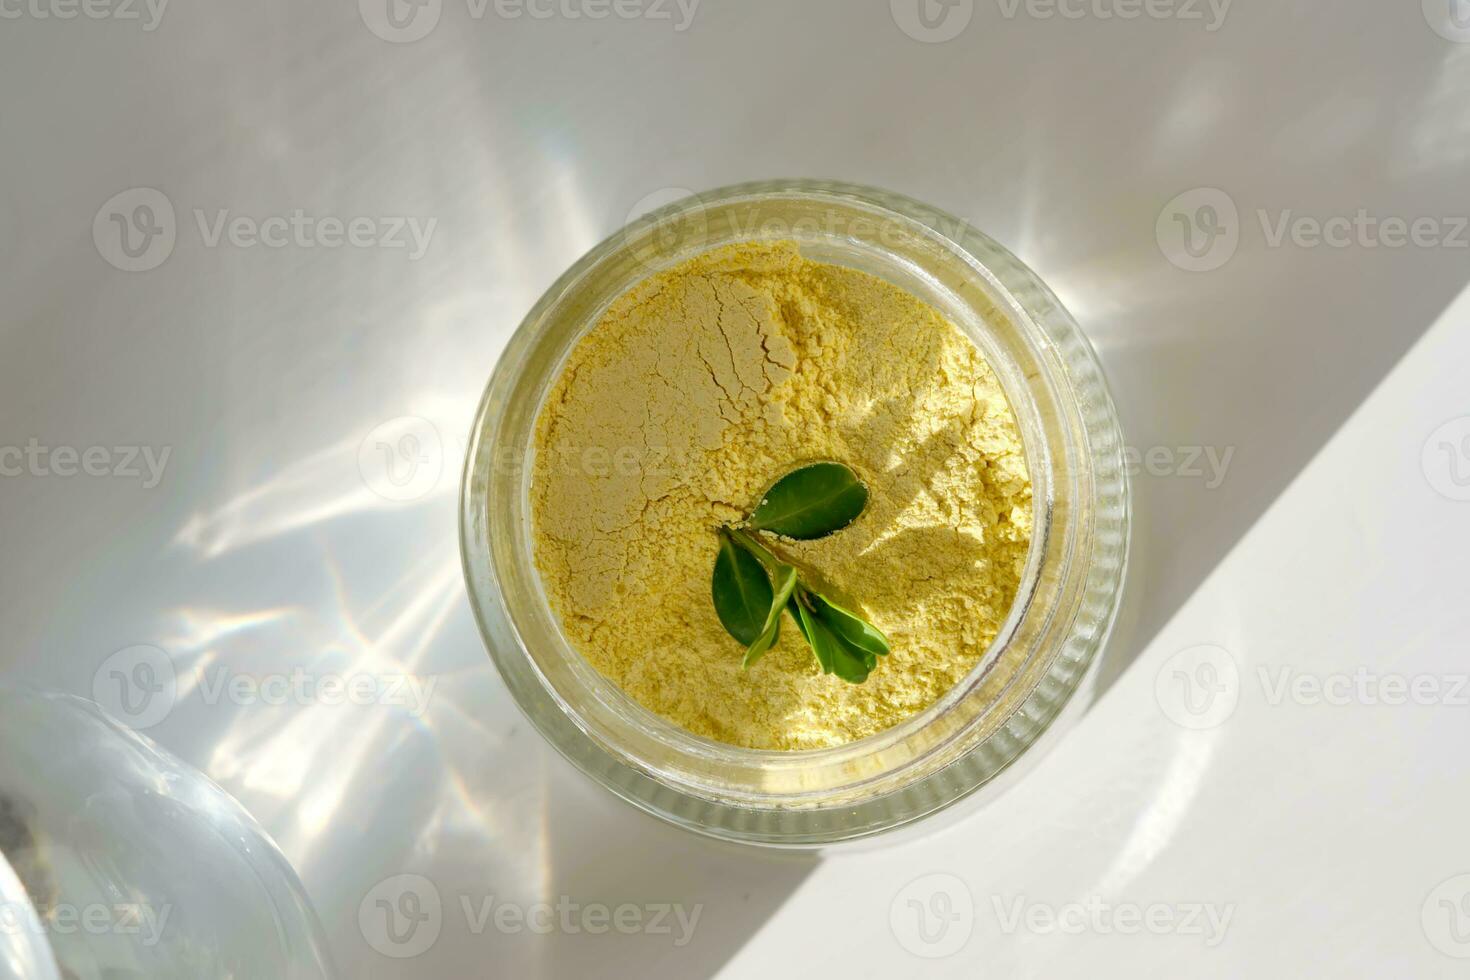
(1090,508)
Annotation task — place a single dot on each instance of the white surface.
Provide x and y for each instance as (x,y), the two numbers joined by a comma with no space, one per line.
(273,544)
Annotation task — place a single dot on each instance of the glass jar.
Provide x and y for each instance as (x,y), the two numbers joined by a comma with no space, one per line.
(1043,654)
(119,861)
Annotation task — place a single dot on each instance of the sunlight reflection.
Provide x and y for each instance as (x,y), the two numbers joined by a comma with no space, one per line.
(1196,104)
(292,499)
(1167,809)
(319,772)
(200,627)
(1032,198)
(324,486)
(1440,137)
(571,204)
(357,585)
(321,750)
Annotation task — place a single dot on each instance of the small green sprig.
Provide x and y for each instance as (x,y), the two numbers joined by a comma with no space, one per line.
(752,586)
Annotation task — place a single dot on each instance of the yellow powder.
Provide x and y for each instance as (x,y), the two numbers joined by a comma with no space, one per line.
(692,394)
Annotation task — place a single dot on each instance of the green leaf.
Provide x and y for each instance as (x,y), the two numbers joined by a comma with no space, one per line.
(741,591)
(818,636)
(835,654)
(793,606)
(786,584)
(852,664)
(850,626)
(807,503)
(811,502)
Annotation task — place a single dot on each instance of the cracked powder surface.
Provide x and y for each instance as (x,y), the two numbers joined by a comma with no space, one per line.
(689,397)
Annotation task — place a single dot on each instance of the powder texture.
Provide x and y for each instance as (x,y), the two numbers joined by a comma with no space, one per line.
(689,397)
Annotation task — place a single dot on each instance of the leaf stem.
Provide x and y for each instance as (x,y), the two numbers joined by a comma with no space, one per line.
(748,541)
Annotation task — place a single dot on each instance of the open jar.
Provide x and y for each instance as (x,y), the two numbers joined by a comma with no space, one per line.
(1044,653)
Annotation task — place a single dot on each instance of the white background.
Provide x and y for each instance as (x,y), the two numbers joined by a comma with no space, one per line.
(1327,837)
